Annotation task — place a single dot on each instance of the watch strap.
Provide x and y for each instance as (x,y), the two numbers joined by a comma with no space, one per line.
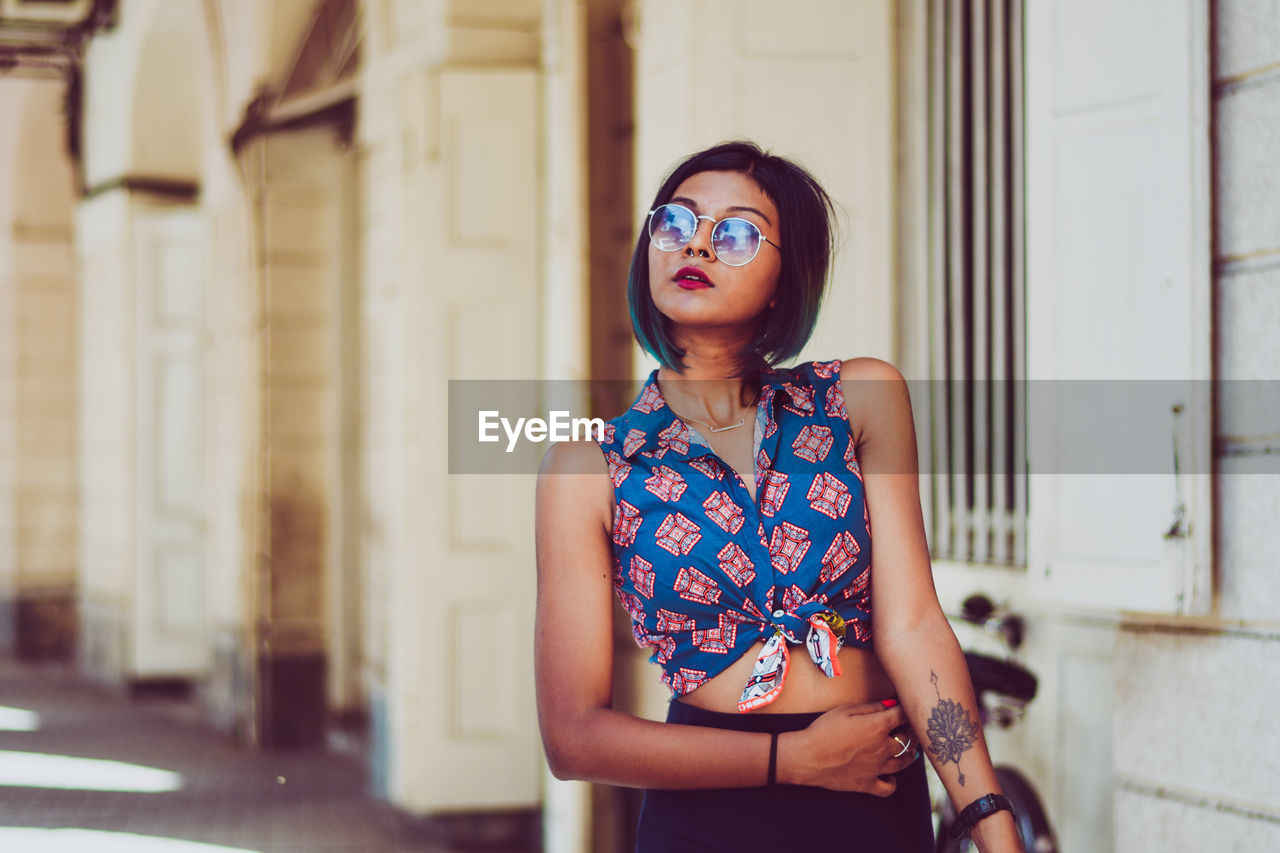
(984,806)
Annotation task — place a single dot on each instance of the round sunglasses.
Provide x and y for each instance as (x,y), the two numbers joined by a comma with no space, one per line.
(736,241)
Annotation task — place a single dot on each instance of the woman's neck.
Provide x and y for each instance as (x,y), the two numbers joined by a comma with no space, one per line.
(709,388)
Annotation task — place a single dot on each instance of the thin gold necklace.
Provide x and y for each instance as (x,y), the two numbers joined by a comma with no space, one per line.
(742,420)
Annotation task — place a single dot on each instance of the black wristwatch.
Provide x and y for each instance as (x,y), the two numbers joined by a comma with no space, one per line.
(984,806)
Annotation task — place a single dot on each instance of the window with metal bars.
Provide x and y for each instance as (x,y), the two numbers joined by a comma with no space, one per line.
(976,284)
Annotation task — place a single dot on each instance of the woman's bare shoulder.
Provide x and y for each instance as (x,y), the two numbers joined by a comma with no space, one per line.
(876,395)
(868,367)
(574,481)
(575,456)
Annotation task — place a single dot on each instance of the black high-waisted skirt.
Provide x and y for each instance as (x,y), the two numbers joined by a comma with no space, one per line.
(783,817)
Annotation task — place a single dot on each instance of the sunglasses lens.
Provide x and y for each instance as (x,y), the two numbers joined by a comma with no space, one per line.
(735,241)
(671,226)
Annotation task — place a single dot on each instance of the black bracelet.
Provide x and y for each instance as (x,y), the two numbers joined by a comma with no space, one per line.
(984,806)
(773,760)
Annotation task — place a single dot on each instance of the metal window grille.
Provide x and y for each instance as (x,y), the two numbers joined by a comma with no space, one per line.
(976,282)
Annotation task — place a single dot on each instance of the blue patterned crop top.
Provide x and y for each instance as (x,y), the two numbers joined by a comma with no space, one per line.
(700,583)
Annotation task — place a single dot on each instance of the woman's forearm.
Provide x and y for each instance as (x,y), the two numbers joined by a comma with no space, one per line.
(846,748)
(615,748)
(928,671)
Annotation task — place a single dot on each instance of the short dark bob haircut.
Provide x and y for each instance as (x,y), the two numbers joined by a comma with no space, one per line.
(807,238)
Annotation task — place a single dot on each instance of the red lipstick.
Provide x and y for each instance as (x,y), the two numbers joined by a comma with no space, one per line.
(692,278)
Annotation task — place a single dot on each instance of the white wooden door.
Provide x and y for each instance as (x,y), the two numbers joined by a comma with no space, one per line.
(1118,352)
(462,712)
(1118,303)
(168,636)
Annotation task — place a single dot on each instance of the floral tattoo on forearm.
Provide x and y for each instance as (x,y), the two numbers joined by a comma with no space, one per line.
(951,732)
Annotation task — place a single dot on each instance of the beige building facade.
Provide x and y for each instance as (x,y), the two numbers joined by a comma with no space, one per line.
(245,247)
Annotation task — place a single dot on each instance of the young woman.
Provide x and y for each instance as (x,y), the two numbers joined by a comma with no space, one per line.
(730,510)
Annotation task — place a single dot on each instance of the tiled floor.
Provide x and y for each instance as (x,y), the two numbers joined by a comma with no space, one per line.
(230,796)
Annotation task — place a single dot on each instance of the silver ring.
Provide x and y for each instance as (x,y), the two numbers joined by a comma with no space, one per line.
(905,746)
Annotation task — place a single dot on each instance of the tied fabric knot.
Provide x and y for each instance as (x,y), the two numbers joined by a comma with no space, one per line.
(767,676)
(823,641)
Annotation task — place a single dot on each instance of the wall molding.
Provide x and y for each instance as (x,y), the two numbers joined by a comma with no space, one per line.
(1199,799)
(170,188)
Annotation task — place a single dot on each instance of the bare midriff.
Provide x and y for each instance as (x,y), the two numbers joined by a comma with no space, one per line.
(806,688)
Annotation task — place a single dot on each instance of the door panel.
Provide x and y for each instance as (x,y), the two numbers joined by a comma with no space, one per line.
(169,617)
(1119,298)
(461,662)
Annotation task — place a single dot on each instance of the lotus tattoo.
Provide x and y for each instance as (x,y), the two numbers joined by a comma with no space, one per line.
(951,731)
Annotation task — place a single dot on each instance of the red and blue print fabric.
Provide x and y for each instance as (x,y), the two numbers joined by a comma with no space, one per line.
(705,570)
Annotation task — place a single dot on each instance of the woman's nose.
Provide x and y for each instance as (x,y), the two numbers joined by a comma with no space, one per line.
(700,244)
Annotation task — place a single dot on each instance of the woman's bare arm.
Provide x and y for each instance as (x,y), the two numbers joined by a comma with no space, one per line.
(913,639)
(585,738)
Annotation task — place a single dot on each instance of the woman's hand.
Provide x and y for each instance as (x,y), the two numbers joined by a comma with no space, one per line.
(849,748)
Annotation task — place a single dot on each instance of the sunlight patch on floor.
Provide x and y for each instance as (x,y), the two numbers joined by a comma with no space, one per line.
(40,770)
(18,719)
(35,840)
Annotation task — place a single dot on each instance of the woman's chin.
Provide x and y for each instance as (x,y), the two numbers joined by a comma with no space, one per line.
(702,312)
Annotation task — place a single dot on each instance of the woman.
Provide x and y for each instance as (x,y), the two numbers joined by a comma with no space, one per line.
(730,509)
